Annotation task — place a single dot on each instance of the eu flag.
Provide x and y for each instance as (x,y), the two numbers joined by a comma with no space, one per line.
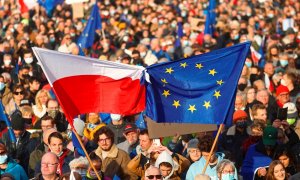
(86,39)
(200,89)
(210,18)
(49,5)
(179,34)
(4,118)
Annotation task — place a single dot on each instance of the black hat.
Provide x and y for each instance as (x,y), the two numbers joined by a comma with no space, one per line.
(17,122)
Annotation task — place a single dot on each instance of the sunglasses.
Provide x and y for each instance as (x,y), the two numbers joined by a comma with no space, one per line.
(156,176)
(19,93)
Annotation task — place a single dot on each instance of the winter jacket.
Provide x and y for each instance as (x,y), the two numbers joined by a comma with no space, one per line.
(118,132)
(15,170)
(115,163)
(129,149)
(256,157)
(197,167)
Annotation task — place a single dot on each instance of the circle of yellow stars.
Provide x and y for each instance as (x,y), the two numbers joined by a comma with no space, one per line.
(192,107)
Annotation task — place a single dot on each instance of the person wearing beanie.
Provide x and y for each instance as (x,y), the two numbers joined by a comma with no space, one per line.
(18,150)
(282,95)
(194,153)
(232,139)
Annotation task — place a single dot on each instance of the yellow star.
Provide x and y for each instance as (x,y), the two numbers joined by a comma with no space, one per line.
(220,82)
(212,72)
(183,65)
(206,104)
(169,70)
(217,94)
(192,108)
(166,93)
(176,104)
(199,65)
(164,81)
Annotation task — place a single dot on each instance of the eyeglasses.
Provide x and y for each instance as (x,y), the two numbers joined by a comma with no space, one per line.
(156,176)
(104,140)
(18,93)
(49,164)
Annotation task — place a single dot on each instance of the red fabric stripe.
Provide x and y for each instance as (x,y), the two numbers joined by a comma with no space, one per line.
(96,93)
(23,8)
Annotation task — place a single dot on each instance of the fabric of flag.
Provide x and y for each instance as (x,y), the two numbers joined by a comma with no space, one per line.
(4,118)
(200,89)
(49,5)
(210,18)
(77,146)
(262,60)
(179,34)
(26,5)
(86,39)
(140,122)
(84,85)
(256,56)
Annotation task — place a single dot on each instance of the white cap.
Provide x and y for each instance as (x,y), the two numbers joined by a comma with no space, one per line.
(115,117)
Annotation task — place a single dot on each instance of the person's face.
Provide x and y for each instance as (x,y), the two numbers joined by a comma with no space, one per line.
(269,69)
(145,142)
(194,154)
(284,97)
(46,125)
(284,160)
(279,172)
(228,170)
(52,105)
(56,145)
(18,133)
(104,142)
(49,165)
(239,102)
(165,171)
(43,98)
(263,97)
(250,95)
(153,174)
(35,85)
(132,137)
(261,114)
(205,156)
(27,55)
(18,94)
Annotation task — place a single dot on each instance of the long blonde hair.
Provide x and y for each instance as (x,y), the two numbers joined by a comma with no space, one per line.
(38,102)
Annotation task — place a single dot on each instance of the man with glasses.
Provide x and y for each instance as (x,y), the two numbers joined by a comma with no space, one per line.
(49,166)
(152,173)
(114,160)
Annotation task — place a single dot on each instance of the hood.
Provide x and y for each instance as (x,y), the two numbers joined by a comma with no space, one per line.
(166,157)
(11,163)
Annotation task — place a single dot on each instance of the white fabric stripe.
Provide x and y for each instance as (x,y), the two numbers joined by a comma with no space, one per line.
(57,65)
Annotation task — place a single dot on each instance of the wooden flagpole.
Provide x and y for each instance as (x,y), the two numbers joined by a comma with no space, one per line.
(85,152)
(212,148)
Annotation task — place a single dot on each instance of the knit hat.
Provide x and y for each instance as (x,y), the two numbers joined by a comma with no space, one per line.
(292,110)
(115,117)
(78,125)
(270,136)
(281,89)
(17,122)
(193,143)
(239,114)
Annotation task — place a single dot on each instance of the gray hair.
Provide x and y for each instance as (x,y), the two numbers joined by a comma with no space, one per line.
(222,164)
(79,161)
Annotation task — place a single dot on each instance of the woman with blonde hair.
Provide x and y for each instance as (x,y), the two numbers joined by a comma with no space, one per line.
(41,99)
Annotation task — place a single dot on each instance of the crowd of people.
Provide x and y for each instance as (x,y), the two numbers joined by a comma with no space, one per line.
(262,143)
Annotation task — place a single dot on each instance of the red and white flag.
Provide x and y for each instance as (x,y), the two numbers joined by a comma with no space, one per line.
(26,5)
(256,56)
(83,85)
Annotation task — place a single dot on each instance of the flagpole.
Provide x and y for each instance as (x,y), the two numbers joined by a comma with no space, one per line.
(103,34)
(85,152)
(212,148)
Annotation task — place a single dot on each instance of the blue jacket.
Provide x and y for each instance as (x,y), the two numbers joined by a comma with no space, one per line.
(255,158)
(197,167)
(15,170)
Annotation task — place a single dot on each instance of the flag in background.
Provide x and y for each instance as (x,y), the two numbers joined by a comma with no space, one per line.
(26,5)
(4,118)
(179,34)
(49,5)
(83,85)
(86,39)
(77,146)
(210,18)
(200,89)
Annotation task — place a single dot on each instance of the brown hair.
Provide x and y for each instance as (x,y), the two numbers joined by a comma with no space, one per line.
(270,173)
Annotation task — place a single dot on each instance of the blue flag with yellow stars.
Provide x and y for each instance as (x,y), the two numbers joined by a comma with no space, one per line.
(87,37)
(199,89)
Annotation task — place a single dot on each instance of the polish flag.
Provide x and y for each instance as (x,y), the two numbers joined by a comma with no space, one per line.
(83,85)
(255,55)
(26,5)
